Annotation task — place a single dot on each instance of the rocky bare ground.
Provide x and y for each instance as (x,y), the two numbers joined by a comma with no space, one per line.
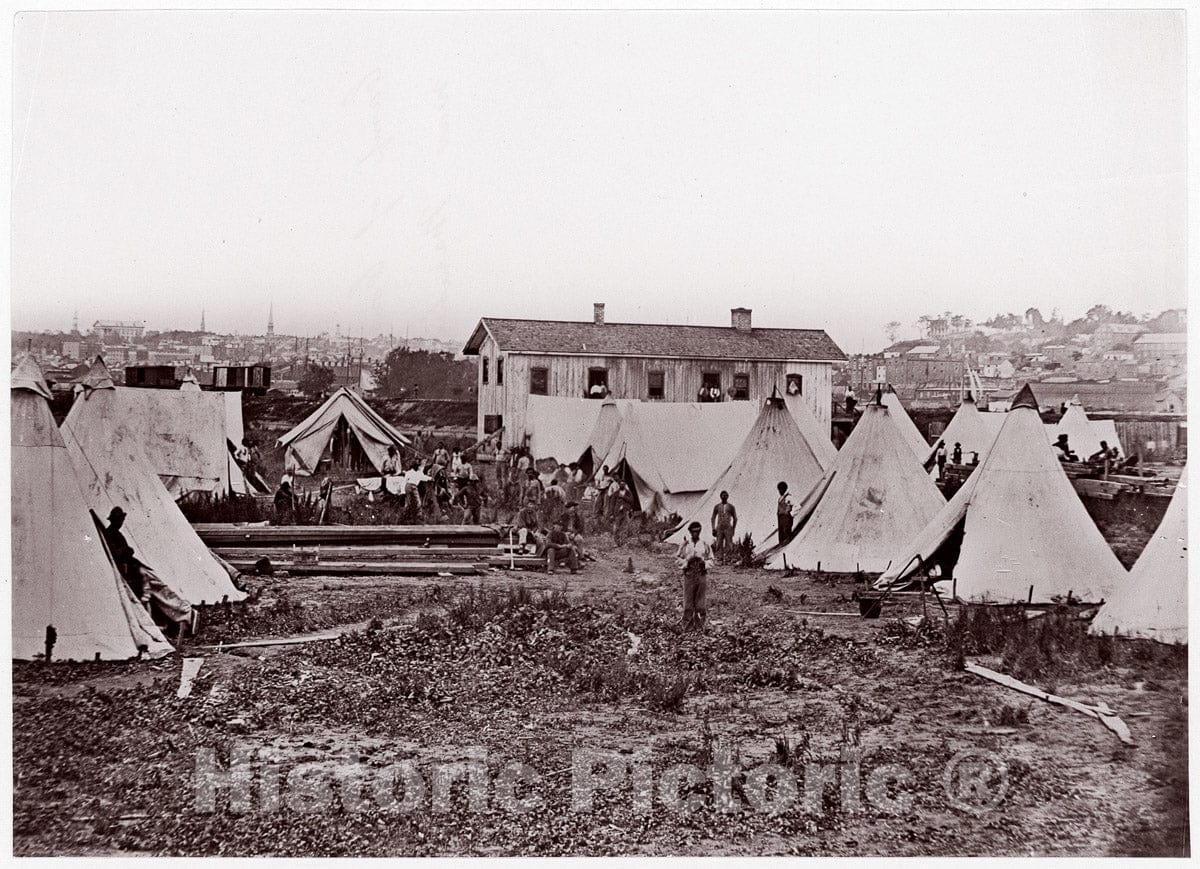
(537,670)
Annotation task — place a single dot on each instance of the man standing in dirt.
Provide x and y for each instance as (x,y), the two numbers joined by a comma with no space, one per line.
(602,483)
(724,523)
(695,557)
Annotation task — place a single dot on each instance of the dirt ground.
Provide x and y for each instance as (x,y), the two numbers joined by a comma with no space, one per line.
(589,675)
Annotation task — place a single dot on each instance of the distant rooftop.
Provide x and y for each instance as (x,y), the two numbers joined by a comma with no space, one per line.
(1163,338)
(644,339)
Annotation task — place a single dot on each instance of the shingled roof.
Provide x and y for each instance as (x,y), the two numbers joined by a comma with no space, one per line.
(644,339)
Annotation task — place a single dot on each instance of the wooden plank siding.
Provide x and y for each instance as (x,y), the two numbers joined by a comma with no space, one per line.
(628,377)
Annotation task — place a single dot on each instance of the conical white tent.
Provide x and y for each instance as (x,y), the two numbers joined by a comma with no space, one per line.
(874,496)
(308,441)
(908,429)
(973,431)
(817,438)
(774,450)
(114,472)
(673,451)
(62,576)
(1016,531)
(1152,603)
(1083,434)
(183,435)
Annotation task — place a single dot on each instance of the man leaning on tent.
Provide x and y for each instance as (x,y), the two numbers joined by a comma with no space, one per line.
(153,593)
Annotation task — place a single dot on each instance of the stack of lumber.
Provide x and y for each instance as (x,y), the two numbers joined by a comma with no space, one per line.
(222,534)
(348,550)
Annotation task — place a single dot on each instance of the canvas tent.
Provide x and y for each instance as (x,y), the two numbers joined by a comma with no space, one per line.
(908,429)
(671,452)
(774,450)
(187,437)
(1016,531)
(604,432)
(874,496)
(1083,434)
(973,430)
(62,576)
(1152,603)
(308,441)
(815,436)
(562,428)
(114,472)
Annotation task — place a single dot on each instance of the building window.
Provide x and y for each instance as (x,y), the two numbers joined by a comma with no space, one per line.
(492,423)
(741,386)
(597,385)
(485,370)
(795,384)
(654,385)
(538,379)
(499,370)
(710,386)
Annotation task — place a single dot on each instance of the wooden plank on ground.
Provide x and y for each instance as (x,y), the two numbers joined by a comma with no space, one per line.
(371,568)
(1106,717)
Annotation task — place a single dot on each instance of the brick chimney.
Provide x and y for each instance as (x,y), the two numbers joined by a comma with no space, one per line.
(598,313)
(741,319)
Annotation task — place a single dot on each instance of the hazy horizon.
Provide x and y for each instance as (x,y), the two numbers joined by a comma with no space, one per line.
(412,172)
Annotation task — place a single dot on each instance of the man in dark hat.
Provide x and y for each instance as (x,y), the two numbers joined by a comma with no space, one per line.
(694,557)
(154,594)
(122,552)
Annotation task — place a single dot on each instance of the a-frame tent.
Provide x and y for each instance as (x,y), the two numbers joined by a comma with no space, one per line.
(671,452)
(1083,434)
(62,575)
(1152,603)
(775,450)
(307,442)
(974,431)
(908,429)
(874,496)
(114,472)
(1016,531)
(183,435)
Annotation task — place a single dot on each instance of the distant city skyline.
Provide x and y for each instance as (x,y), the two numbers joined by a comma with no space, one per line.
(416,171)
(907,331)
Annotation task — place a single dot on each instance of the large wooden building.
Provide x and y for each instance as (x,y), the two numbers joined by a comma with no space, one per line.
(519,358)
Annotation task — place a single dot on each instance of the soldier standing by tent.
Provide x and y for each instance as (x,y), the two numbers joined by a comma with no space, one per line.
(724,524)
(694,557)
(602,483)
(783,512)
(147,586)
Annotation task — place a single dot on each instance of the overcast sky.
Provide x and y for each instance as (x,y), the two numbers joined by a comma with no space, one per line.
(412,172)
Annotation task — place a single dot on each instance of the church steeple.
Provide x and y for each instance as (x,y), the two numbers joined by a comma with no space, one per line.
(202,328)
(271,320)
